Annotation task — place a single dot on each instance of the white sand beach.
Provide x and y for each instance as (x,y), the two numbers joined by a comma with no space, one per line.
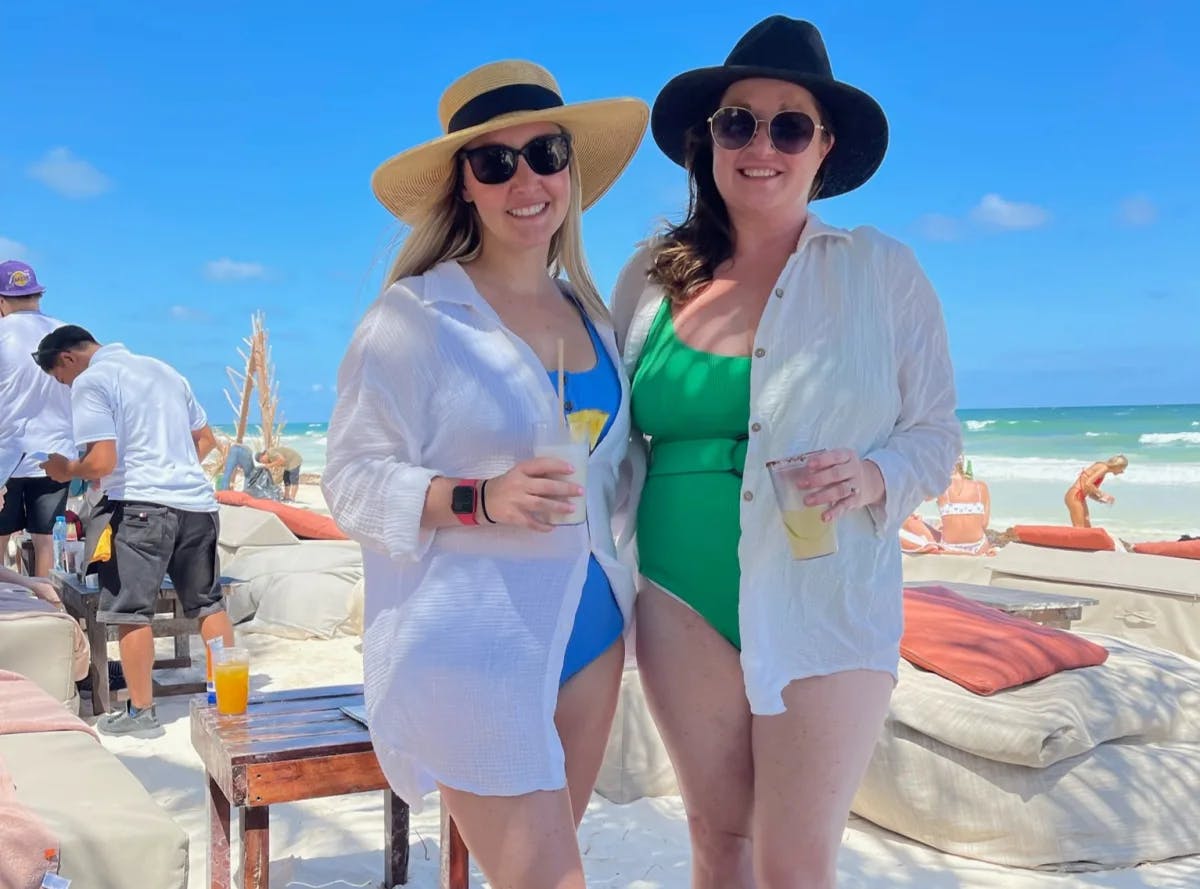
(338,842)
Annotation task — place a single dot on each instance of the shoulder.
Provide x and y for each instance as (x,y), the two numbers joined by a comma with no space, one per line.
(869,244)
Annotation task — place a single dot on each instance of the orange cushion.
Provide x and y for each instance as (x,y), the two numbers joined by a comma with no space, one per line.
(983,649)
(301,522)
(1183,549)
(1065,537)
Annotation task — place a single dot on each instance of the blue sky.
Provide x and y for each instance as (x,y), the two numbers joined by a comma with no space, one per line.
(168,170)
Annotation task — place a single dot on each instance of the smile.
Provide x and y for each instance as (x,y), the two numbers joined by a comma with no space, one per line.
(526,212)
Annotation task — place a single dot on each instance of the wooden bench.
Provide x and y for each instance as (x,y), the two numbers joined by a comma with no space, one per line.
(169,621)
(290,746)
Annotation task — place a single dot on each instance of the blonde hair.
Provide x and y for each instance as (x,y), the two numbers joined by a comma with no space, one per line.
(1120,461)
(450,230)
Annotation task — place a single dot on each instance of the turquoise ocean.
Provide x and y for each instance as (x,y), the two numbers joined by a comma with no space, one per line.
(1030,456)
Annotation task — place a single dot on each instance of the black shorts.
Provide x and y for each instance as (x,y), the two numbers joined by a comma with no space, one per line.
(291,476)
(32,504)
(148,542)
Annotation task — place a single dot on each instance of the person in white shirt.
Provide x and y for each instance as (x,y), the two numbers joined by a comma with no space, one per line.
(754,332)
(145,436)
(494,634)
(35,416)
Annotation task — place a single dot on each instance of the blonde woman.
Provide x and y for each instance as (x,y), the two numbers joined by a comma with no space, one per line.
(1087,487)
(966,510)
(493,644)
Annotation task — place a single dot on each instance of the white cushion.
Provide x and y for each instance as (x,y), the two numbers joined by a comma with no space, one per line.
(1138,693)
(1114,806)
(302,605)
(242,526)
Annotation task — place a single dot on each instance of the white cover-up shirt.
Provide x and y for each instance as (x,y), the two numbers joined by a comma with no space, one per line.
(850,352)
(35,409)
(465,627)
(148,409)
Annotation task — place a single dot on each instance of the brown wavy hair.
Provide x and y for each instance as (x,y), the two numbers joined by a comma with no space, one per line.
(688,254)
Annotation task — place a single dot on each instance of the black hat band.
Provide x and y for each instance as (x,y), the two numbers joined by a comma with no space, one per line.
(503,100)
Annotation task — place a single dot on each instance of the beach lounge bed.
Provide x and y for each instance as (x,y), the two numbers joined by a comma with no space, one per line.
(1089,768)
(1153,600)
(43,644)
(109,832)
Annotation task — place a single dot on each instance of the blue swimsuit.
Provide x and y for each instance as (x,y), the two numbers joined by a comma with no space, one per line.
(598,620)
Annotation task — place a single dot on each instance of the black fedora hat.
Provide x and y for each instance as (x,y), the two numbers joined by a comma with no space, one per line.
(780,48)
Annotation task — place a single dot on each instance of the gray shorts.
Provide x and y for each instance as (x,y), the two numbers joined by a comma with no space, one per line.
(150,541)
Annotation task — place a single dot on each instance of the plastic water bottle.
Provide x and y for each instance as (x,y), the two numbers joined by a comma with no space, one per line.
(59,534)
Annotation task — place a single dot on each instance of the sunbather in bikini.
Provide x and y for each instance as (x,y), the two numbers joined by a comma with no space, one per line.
(966,509)
(1088,485)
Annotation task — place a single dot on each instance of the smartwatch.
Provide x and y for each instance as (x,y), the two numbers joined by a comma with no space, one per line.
(463,501)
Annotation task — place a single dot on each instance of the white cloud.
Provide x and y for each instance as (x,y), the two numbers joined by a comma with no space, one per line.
(186,313)
(993,210)
(1138,210)
(226,269)
(12,250)
(939,227)
(318,387)
(70,176)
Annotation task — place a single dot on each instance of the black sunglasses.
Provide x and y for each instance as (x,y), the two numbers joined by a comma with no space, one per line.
(496,164)
(789,131)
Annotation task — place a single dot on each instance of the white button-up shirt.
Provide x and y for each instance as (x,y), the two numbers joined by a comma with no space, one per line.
(465,627)
(148,409)
(850,352)
(35,409)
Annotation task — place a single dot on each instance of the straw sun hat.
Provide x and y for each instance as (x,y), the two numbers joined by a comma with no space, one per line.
(604,133)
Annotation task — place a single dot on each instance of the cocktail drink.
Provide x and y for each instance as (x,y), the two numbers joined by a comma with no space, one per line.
(808,535)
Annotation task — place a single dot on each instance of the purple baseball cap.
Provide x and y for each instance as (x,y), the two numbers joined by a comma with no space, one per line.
(17,279)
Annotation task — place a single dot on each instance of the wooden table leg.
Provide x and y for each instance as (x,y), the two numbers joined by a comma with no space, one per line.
(218,838)
(256,847)
(455,861)
(183,649)
(97,636)
(395,840)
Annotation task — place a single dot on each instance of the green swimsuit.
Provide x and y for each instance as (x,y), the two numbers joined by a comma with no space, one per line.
(695,407)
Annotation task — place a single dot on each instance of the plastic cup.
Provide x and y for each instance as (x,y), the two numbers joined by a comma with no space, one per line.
(231,677)
(808,536)
(564,443)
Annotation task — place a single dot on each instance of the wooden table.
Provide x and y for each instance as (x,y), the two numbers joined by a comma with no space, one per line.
(169,620)
(290,746)
(1048,609)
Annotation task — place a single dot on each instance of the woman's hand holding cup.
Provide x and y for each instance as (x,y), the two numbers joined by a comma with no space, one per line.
(531,493)
(840,479)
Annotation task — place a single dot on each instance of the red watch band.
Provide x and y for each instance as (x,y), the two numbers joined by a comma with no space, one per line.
(467,518)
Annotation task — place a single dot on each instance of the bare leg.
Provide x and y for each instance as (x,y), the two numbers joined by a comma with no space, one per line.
(217,625)
(808,764)
(584,716)
(694,687)
(137,660)
(4,548)
(520,842)
(530,840)
(1077,510)
(43,554)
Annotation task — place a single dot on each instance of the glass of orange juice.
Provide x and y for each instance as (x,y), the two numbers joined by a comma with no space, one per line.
(231,676)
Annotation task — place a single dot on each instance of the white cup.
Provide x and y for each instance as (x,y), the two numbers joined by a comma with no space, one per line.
(563,443)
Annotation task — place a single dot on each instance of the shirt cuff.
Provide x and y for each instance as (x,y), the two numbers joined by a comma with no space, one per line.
(891,467)
(403,537)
